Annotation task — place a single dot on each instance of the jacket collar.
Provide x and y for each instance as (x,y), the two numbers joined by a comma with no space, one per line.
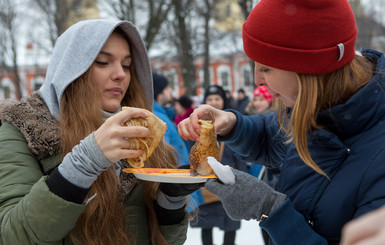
(32,117)
(364,109)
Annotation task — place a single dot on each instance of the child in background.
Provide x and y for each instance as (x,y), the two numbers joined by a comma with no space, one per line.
(261,103)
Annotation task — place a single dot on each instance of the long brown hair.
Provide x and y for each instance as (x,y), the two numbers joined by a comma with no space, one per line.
(317,93)
(102,221)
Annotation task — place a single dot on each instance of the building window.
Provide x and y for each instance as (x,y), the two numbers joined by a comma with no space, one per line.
(171,81)
(37,83)
(6,89)
(6,92)
(224,76)
(172,78)
(247,78)
(225,79)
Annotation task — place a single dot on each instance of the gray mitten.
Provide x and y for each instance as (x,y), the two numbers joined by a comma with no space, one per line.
(248,198)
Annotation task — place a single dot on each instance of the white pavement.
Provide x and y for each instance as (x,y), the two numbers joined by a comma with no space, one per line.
(248,234)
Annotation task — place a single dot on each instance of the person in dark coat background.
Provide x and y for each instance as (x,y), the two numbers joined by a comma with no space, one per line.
(211,212)
(242,101)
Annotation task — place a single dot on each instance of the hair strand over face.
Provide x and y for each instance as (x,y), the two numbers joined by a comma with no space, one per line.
(318,93)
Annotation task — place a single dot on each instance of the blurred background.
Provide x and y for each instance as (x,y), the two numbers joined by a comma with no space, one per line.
(192,43)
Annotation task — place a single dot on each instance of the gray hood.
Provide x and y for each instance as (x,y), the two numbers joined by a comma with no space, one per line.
(77,48)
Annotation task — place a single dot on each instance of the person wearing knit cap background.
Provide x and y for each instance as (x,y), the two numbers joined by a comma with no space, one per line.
(242,101)
(211,212)
(162,97)
(328,132)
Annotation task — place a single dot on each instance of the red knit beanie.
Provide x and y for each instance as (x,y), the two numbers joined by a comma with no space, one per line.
(303,36)
(263,92)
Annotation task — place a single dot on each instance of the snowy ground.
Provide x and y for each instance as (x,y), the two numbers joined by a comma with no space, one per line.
(248,234)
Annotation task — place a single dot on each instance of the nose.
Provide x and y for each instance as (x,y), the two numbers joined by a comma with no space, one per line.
(259,79)
(118,73)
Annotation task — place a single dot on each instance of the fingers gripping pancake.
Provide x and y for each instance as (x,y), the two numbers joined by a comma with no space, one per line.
(207,146)
(147,144)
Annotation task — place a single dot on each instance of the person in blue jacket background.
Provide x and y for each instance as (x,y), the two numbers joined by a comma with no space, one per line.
(327,133)
(163,96)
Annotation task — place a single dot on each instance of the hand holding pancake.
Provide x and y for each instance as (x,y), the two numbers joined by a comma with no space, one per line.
(114,138)
(224,122)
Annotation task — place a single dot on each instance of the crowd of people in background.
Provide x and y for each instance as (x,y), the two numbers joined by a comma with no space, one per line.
(206,209)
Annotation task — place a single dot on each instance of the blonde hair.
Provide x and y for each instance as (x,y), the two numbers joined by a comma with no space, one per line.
(318,93)
(102,221)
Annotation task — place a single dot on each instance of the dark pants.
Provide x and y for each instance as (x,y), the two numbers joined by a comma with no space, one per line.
(266,237)
(207,237)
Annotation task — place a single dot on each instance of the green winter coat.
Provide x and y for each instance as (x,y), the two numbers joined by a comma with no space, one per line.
(31,214)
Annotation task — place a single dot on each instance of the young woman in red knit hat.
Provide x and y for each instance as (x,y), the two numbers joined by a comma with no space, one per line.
(328,133)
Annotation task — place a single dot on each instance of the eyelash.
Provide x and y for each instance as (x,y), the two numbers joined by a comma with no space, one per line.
(262,69)
(101,63)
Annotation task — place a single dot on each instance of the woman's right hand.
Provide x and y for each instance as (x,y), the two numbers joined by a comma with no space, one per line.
(368,229)
(112,136)
(224,122)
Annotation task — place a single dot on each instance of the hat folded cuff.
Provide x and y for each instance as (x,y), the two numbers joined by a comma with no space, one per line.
(318,61)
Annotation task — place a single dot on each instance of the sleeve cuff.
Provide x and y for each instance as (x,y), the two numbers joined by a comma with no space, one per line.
(65,189)
(285,222)
(169,217)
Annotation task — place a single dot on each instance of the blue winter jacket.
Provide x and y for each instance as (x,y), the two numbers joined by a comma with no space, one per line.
(351,152)
(172,137)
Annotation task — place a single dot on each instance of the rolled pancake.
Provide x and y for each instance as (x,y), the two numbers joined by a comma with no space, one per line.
(206,147)
(147,144)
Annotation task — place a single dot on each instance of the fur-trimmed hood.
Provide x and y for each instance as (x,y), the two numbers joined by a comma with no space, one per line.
(34,120)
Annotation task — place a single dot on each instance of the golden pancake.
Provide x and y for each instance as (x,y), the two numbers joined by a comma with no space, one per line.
(147,144)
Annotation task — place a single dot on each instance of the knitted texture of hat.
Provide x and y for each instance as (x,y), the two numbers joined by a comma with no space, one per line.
(303,36)
(160,83)
(263,92)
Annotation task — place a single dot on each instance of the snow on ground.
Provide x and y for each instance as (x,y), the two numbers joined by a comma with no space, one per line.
(248,234)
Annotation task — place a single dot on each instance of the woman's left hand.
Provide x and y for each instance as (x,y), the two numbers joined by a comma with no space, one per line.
(248,198)
(179,189)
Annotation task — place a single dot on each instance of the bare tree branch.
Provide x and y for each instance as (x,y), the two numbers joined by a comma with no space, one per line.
(185,52)
(8,17)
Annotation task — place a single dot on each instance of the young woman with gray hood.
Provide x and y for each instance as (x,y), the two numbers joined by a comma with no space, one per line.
(61,149)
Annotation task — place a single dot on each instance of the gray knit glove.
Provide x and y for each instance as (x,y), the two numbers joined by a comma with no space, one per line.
(248,198)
